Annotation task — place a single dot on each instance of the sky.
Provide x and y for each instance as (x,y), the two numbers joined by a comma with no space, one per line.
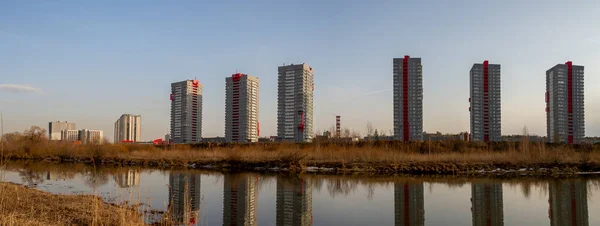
(91,61)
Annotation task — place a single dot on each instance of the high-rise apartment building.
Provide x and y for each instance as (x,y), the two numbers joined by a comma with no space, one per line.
(239,199)
(128,128)
(568,201)
(294,202)
(408,98)
(409,204)
(69,135)
(485,102)
(241,108)
(487,205)
(184,197)
(295,103)
(88,136)
(55,128)
(186,112)
(565,116)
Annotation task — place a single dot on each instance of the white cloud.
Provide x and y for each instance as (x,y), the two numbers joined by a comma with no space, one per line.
(16,88)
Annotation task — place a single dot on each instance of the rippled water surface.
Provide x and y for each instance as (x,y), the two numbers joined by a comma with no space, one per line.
(214,198)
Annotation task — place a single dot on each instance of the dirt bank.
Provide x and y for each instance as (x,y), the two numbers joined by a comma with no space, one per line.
(20,205)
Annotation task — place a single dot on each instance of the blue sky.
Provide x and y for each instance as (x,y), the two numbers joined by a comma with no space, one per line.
(90,62)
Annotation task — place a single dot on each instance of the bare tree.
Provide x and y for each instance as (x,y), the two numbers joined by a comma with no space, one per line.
(369,129)
(35,134)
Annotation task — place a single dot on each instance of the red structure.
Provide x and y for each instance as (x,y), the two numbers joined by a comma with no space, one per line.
(486,105)
(406,127)
(338,126)
(301,126)
(570,100)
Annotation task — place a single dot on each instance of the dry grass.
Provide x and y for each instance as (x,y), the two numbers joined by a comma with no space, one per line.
(443,156)
(24,206)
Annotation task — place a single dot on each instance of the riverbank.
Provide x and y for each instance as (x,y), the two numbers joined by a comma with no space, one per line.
(383,158)
(20,205)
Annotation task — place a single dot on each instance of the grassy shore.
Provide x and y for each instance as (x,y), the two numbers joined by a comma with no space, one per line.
(20,205)
(448,157)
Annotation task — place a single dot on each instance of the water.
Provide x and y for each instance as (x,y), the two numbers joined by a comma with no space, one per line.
(280,199)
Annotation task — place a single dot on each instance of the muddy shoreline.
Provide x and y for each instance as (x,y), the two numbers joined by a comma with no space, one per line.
(408,168)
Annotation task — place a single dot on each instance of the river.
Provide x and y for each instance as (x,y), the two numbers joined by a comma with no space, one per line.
(227,198)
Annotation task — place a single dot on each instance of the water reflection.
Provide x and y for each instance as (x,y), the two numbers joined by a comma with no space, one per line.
(239,199)
(409,204)
(131,178)
(184,197)
(568,203)
(288,199)
(294,201)
(486,204)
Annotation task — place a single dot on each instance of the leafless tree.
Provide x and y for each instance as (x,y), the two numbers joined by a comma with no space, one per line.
(369,129)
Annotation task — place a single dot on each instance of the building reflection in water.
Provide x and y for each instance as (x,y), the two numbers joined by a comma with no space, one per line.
(131,178)
(568,203)
(239,199)
(487,205)
(294,202)
(409,204)
(184,197)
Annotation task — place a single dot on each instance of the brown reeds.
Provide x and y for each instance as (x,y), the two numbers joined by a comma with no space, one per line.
(416,157)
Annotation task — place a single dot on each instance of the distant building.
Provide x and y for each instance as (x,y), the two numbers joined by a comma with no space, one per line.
(240,199)
(55,128)
(294,202)
(521,138)
(87,136)
(270,139)
(128,128)
(69,135)
(487,206)
(131,178)
(568,202)
(565,115)
(409,204)
(485,102)
(295,103)
(408,98)
(184,197)
(464,136)
(214,140)
(241,108)
(168,138)
(186,112)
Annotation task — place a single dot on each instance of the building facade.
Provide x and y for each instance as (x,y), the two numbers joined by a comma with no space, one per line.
(184,197)
(128,128)
(241,108)
(568,201)
(565,116)
(487,204)
(69,135)
(294,202)
(409,204)
(295,103)
(485,102)
(240,199)
(55,128)
(186,112)
(408,98)
(88,136)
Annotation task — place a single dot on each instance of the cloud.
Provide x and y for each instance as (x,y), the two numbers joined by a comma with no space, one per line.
(16,88)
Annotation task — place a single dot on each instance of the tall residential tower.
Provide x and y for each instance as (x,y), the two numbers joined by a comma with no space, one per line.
(241,108)
(295,103)
(565,117)
(485,102)
(408,98)
(186,112)
(128,128)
